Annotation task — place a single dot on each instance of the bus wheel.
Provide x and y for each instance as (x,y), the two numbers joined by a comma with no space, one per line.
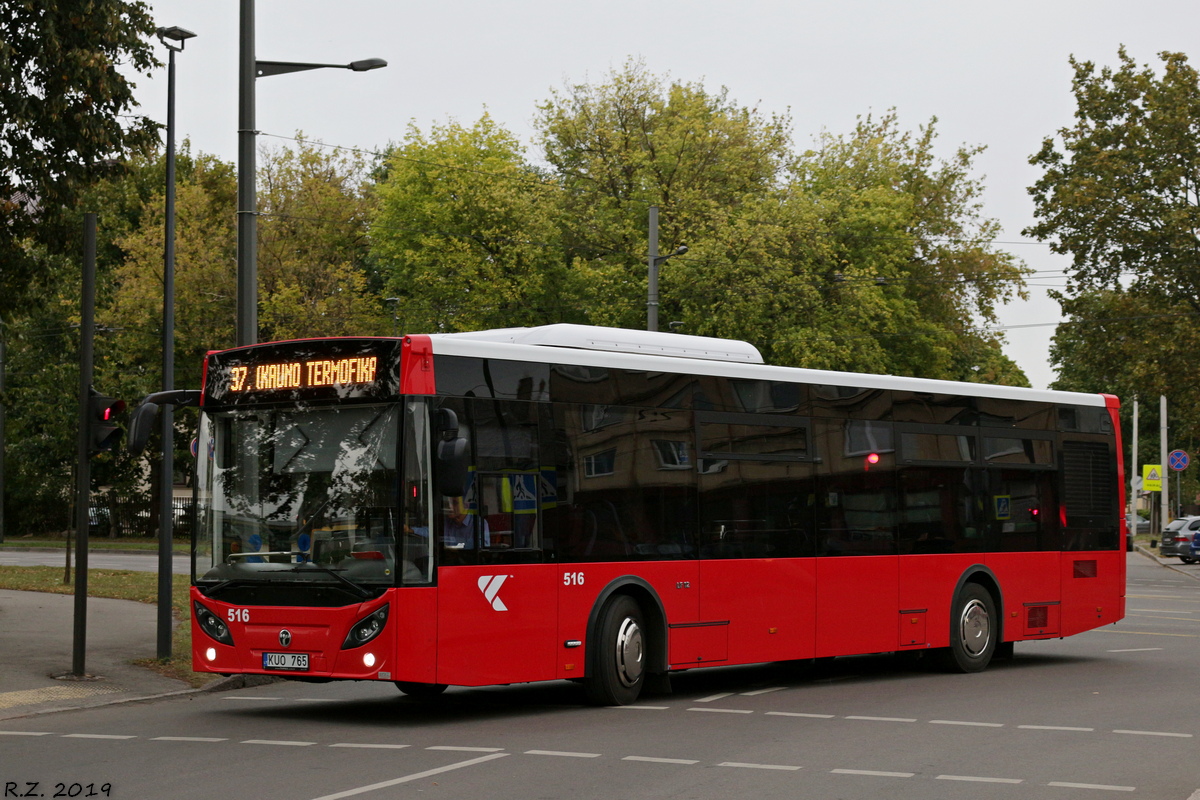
(973,629)
(421,691)
(619,656)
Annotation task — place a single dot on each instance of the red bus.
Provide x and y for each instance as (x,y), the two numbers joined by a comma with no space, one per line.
(610,506)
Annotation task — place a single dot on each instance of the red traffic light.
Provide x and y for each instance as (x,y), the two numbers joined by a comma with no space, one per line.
(103,432)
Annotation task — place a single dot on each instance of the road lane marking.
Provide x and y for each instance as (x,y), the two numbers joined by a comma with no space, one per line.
(414,777)
(562,753)
(884,719)
(798,714)
(1054,728)
(976,779)
(723,710)
(713,697)
(1136,650)
(757,766)
(26,733)
(1144,633)
(278,742)
(1101,786)
(757,692)
(251,697)
(1157,733)
(187,739)
(96,736)
(1173,619)
(660,760)
(961,722)
(875,773)
(454,749)
(371,746)
(643,708)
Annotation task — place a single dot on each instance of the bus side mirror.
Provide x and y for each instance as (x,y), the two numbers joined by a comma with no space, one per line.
(140,426)
(453,458)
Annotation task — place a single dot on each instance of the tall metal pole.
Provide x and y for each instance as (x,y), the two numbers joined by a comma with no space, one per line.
(83,475)
(652,295)
(247,219)
(2,447)
(166,516)
(1164,501)
(1133,468)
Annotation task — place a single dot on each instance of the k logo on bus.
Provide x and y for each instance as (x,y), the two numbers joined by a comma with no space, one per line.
(490,586)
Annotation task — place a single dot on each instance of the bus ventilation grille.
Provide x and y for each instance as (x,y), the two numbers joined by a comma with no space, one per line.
(1038,617)
(1085,569)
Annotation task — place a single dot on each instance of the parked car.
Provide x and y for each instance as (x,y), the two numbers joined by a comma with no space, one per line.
(1177,539)
(1196,546)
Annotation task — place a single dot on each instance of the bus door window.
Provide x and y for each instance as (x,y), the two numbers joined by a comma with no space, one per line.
(856,487)
(1020,490)
(943,507)
(416,544)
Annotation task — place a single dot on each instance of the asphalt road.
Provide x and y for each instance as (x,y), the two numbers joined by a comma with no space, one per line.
(97,559)
(1111,712)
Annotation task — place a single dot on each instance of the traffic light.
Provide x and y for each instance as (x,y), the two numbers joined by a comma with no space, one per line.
(103,431)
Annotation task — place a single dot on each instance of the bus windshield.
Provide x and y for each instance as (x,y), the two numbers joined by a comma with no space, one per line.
(299,495)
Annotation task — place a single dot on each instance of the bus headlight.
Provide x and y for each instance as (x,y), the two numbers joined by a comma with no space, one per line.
(211,624)
(366,628)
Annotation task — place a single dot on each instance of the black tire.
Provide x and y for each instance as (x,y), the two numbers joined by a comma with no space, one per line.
(421,691)
(1187,560)
(619,655)
(974,630)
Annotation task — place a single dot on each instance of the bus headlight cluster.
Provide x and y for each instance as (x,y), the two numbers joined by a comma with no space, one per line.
(211,624)
(366,628)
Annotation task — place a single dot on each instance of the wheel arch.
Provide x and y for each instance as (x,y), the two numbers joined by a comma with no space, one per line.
(655,618)
(982,575)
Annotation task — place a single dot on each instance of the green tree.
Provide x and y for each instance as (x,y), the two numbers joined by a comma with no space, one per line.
(1120,191)
(64,118)
(464,233)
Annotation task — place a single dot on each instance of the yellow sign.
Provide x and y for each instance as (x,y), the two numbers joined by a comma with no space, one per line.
(1152,477)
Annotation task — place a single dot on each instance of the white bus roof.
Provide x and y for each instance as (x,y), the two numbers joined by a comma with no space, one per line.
(620,348)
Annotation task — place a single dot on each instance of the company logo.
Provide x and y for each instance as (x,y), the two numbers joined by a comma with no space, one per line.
(285,637)
(490,586)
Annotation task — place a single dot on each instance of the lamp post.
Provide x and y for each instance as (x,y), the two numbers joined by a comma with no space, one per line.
(173,39)
(655,262)
(250,69)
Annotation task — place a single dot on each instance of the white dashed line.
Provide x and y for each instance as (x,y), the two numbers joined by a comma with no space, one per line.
(452,748)
(757,692)
(643,708)
(1157,733)
(757,766)
(975,779)
(723,710)
(884,719)
(660,760)
(970,724)
(561,753)
(1092,786)
(1136,650)
(187,739)
(371,746)
(873,773)
(26,733)
(798,714)
(713,697)
(1054,728)
(278,742)
(95,736)
(249,697)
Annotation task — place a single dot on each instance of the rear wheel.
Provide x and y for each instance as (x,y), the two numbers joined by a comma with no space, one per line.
(974,629)
(619,658)
(421,691)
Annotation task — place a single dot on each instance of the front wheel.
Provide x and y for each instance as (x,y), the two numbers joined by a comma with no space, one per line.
(619,659)
(1187,560)
(974,629)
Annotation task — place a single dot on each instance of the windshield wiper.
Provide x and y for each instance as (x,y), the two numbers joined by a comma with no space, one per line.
(360,591)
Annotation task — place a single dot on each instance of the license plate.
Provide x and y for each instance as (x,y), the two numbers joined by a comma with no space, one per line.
(289,661)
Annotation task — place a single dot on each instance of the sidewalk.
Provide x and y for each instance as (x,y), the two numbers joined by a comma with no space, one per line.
(37,644)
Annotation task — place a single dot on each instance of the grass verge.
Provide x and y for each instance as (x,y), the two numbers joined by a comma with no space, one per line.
(121,584)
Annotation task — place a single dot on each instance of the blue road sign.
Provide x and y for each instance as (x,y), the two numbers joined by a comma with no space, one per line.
(1178,460)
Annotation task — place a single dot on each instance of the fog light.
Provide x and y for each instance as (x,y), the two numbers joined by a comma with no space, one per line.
(211,654)
(368,659)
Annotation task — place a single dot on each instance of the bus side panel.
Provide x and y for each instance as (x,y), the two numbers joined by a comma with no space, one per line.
(1028,581)
(415,615)
(579,587)
(926,593)
(856,605)
(769,604)
(1093,591)
(495,624)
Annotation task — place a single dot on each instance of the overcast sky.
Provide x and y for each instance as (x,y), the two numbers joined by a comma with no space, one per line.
(994,74)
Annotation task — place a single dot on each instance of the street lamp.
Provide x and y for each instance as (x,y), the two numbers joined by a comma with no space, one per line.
(247,214)
(654,263)
(173,39)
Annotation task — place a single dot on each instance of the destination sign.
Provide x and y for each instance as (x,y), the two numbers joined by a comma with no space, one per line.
(303,374)
(334,369)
